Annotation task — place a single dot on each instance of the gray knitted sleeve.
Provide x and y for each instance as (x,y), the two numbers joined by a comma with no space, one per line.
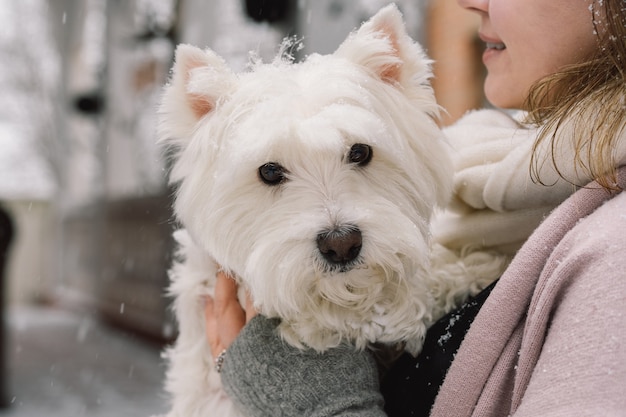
(267,377)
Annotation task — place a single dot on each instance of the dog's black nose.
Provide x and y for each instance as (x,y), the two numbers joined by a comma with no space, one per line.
(340,246)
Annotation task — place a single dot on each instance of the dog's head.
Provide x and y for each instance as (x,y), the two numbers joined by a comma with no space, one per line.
(314,181)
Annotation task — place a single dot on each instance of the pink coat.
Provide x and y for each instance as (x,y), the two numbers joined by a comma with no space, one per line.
(551,338)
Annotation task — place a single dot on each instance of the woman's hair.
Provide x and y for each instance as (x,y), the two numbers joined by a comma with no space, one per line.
(590,95)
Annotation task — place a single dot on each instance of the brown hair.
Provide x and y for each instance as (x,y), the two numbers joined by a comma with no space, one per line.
(591,95)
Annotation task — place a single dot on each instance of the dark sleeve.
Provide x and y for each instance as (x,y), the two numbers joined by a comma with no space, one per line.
(266,377)
(412,384)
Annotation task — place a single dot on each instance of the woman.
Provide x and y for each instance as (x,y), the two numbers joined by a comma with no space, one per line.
(549,339)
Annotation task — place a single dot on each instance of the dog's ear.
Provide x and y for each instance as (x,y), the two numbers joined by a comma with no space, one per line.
(199,79)
(383,45)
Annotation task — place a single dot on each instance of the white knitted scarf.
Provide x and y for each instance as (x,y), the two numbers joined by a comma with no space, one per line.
(496,204)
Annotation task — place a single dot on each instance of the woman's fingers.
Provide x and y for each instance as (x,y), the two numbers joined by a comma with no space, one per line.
(223,314)
(212,327)
(225,291)
(250,310)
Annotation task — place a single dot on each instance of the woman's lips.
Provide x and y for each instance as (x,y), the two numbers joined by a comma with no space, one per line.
(493,47)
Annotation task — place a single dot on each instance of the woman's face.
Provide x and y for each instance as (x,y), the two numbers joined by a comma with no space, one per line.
(529,39)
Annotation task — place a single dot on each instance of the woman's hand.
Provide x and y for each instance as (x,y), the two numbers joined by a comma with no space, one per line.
(224,315)
(266,376)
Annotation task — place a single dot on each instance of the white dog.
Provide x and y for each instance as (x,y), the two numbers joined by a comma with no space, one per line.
(314,183)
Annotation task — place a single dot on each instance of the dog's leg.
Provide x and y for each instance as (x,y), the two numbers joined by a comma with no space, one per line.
(461,274)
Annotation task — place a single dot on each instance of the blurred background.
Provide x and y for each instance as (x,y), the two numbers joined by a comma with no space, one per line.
(85,218)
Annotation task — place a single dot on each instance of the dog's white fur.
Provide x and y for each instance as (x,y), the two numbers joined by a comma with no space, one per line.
(373,90)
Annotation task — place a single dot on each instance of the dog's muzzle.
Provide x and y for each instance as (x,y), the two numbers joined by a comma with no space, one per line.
(340,247)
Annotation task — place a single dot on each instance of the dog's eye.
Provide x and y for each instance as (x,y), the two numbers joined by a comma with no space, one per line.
(360,154)
(272,173)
